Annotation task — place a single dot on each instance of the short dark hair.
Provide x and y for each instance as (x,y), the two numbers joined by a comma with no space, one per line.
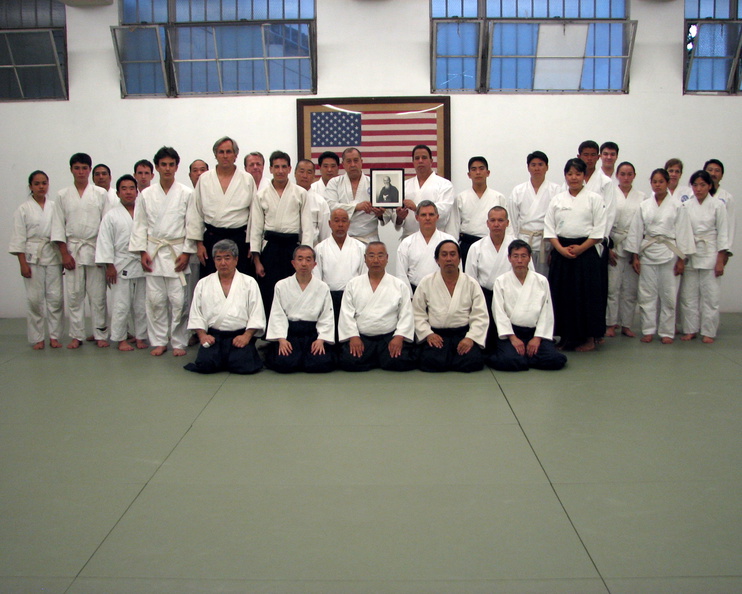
(303,247)
(625,163)
(106,167)
(34,174)
(714,162)
(662,172)
(83,158)
(577,163)
(537,155)
(123,178)
(588,144)
(279,155)
(422,146)
(300,161)
(166,152)
(442,243)
(144,163)
(610,145)
(704,175)
(498,207)
(328,155)
(518,244)
(475,159)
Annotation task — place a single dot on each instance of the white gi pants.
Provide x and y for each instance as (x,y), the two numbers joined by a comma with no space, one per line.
(90,281)
(127,303)
(166,311)
(658,283)
(700,293)
(623,284)
(44,301)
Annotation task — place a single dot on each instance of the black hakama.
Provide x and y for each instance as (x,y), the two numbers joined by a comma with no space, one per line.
(447,358)
(239,236)
(507,358)
(301,335)
(224,356)
(276,260)
(376,355)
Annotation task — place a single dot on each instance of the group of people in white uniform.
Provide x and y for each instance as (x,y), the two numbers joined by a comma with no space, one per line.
(299,262)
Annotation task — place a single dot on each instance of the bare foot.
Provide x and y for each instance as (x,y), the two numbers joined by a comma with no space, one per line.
(193,340)
(610,331)
(707,340)
(626,331)
(55,344)
(600,341)
(179,352)
(74,344)
(647,338)
(125,346)
(142,344)
(102,344)
(666,340)
(157,351)
(689,336)
(90,338)
(588,345)
(38,346)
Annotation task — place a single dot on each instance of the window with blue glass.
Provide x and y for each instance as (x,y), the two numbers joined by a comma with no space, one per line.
(33,52)
(513,46)
(713,41)
(216,47)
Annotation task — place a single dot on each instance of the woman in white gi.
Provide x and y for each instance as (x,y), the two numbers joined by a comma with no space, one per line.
(699,292)
(675,188)
(575,225)
(302,321)
(40,262)
(227,314)
(659,239)
(623,281)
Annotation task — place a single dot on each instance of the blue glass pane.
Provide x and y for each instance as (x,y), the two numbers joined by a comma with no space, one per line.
(9,88)
(290,75)
(288,40)
(244,76)
(140,44)
(511,74)
(31,48)
(456,74)
(716,39)
(441,9)
(144,79)
(259,9)
(457,39)
(136,12)
(193,43)
(514,39)
(618,9)
(239,42)
(197,77)
(602,74)
(709,74)
(40,83)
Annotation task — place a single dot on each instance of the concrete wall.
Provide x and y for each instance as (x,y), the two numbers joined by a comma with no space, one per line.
(369,48)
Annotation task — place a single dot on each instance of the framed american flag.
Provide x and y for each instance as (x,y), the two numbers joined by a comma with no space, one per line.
(384,129)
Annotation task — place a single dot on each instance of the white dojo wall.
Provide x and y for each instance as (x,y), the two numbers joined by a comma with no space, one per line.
(369,48)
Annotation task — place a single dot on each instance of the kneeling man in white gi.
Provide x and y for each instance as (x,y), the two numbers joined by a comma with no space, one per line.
(301,321)
(227,314)
(376,327)
(524,316)
(451,318)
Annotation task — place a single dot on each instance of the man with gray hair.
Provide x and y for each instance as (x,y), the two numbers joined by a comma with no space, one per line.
(415,254)
(227,314)
(255,164)
(221,208)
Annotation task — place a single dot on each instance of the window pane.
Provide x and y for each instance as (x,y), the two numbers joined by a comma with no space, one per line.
(141,54)
(40,83)
(22,14)
(712,47)
(136,12)
(32,48)
(456,74)
(456,39)
(9,88)
(441,9)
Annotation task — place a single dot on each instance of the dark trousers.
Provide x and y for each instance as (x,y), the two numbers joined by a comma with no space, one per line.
(276,260)
(224,356)
(507,358)
(465,242)
(301,335)
(376,355)
(337,300)
(213,234)
(447,358)
(490,343)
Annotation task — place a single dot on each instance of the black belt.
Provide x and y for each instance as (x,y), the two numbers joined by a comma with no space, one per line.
(281,237)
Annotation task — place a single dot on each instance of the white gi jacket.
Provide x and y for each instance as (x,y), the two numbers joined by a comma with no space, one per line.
(527,209)
(469,214)
(416,259)
(527,305)
(159,228)
(242,308)
(710,230)
(626,207)
(436,189)
(337,266)
(484,263)
(113,243)
(214,206)
(31,233)
(76,220)
(434,307)
(339,194)
(373,313)
(288,213)
(291,304)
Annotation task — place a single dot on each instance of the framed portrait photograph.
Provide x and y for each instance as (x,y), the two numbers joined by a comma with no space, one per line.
(387,188)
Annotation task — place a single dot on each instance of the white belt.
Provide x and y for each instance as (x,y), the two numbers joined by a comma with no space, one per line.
(705,239)
(531,235)
(79,243)
(161,243)
(619,236)
(666,241)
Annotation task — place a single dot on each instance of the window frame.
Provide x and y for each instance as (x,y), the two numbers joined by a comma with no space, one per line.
(167,34)
(734,76)
(485,57)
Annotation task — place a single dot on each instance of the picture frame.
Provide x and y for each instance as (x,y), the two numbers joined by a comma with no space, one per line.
(384,129)
(387,188)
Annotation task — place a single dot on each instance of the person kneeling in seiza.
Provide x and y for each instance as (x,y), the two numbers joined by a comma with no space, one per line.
(376,327)
(451,318)
(521,305)
(302,321)
(227,314)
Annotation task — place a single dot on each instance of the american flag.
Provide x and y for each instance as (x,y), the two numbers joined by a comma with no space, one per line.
(385,138)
